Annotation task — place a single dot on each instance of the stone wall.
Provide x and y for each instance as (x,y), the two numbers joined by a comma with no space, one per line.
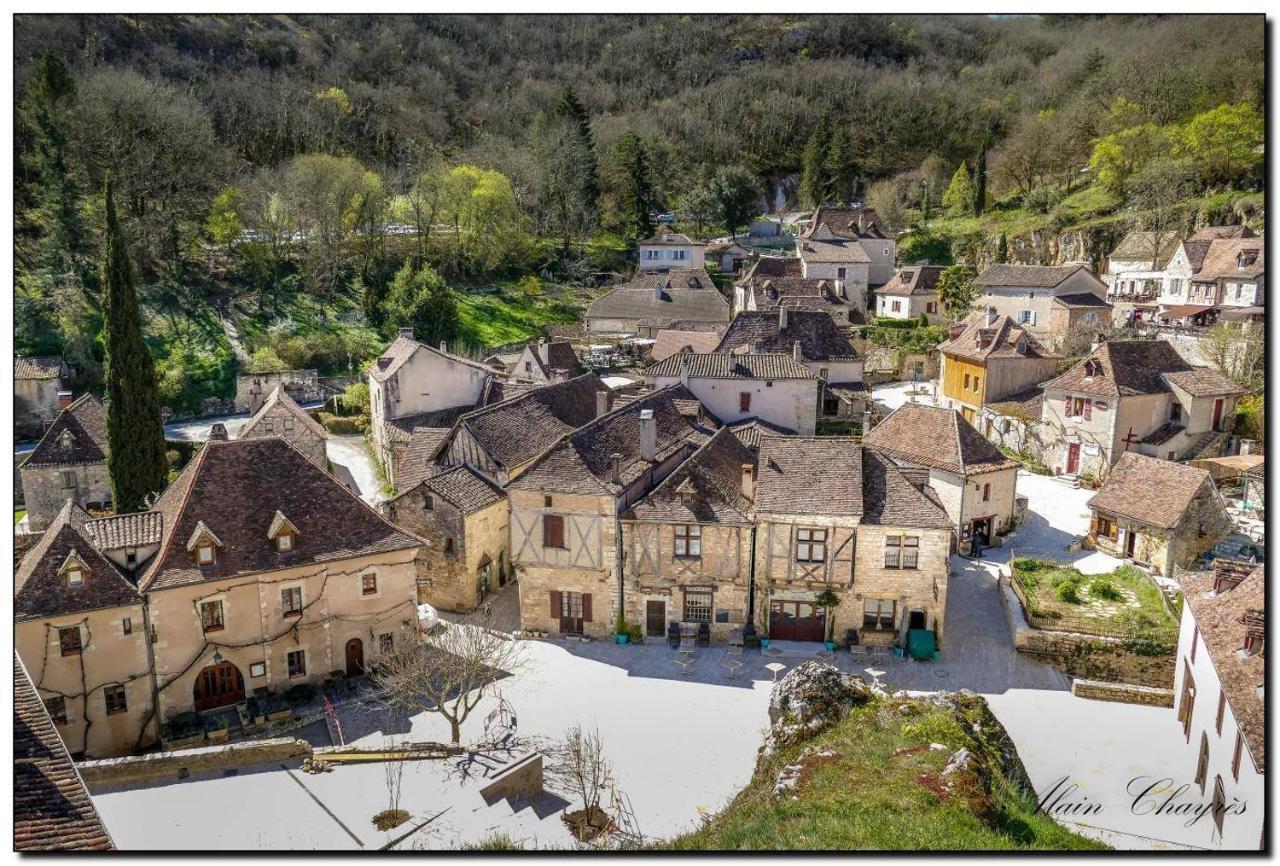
(516,782)
(45,490)
(1122,693)
(253,389)
(169,766)
(450,574)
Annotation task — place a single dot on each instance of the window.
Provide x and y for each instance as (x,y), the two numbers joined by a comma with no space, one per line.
(69,641)
(1222,710)
(284,542)
(897,306)
(116,700)
(931,307)
(901,551)
(840,272)
(1219,804)
(68,479)
(1175,411)
(986,492)
(553,531)
(1202,763)
(448,544)
(811,545)
(1089,318)
(428,502)
(966,381)
(977,383)
(1236,756)
(688,541)
(205,554)
(291,601)
(697,606)
(744,401)
(1186,706)
(74,574)
(368,584)
(126,625)
(56,707)
(571,605)
(1004,425)
(1107,528)
(878,613)
(1026,317)
(546,502)
(528,366)
(211,615)
(385,642)
(297,663)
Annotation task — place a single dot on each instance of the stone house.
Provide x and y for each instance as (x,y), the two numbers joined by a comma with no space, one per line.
(774,387)
(542,363)
(975,483)
(668,341)
(687,545)
(463,518)
(990,359)
(658,299)
(1157,513)
(825,350)
(1218,688)
(1134,395)
(912,293)
(775,281)
(729,257)
(413,385)
(280,416)
(39,393)
(269,573)
(1187,283)
(1047,301)
(253,389)
(834,516)
(80,628)
(70,462)
(857,227)
(668,250)
(566,541)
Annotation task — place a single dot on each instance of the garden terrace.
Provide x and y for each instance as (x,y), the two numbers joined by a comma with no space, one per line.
(1125,603)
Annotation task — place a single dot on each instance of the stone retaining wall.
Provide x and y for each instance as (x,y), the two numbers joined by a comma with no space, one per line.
(167,766)
(519,781)
(1122,693)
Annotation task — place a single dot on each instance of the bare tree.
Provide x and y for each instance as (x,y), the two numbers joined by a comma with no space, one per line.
(447,672)
(1236,352)
(579,768)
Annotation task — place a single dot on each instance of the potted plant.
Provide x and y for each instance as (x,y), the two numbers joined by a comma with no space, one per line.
(635,633)
(620,633)
(827,600)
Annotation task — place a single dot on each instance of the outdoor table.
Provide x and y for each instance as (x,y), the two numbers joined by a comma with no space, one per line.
(685,660)
(775,667)
(732,664)
(875,676)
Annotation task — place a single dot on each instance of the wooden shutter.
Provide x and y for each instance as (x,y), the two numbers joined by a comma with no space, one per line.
(1066,408)
(586,607)
(1093,528)
(555,604)
(1088,409)
(744,401)
(552,530)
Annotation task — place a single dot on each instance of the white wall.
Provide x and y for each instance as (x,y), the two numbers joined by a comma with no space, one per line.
(790,403)
(664,257)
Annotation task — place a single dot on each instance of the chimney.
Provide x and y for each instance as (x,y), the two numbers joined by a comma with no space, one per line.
(602,403)
(782,317)
(657,290)
(954,330)
(797,352)
(749,481)
(991,316)
(648,436)
(1097,341)
(862,222)
(615,467)
(218,432)
(684,370)
(544,352)
(559,375)
(407,333)
(64,400)
(444,347)
(840,289)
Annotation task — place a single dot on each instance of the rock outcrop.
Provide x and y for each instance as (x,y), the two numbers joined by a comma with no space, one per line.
(812,697)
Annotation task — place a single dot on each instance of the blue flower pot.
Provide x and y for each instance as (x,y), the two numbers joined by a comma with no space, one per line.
(764,643)
(622,639)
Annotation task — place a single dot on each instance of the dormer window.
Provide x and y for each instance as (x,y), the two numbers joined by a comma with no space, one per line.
(205,554)
(283,533)
(284,542)
(203,545)
(66,440)
(74,570)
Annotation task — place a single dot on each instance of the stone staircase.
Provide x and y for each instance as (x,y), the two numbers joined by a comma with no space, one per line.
(1210,444)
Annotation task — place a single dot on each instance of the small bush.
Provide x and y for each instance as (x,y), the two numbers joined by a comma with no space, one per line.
(1068,591)
(354,425)
(1105,589)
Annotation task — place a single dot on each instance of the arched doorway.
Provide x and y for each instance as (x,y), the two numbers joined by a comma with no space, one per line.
(355,657)
(217,686)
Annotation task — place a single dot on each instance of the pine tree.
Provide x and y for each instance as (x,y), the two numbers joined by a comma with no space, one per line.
(959,195)
(926,202)
(980,182)
(814,182)
(574,110)
(839,167)
(629,168)
(135,434)
(1002,250)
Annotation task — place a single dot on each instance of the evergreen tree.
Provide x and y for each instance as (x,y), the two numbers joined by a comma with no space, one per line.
(419,298)
(1002,249)
(814,182)
(570,107)
(135,433)
(633,185)
(839,167)
(980,182)
(959,195)
(738,195)
(926,202)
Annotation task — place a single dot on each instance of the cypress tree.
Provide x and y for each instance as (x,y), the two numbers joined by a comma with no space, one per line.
(573,109)
(630,169)
(1002,249)
(980,182)
(813,179)
(959,194)
(135,434)
(839,167)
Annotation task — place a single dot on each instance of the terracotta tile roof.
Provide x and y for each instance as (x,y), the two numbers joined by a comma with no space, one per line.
(843,222)
(832,252)
(1001,338)
(37,367)
(706,488)
(1122,368)
(125,530)
(401,429)
(1151,491)
(419,456)
(280,398)
(460,485)
(86,422)
(235,488)
(1203,382)
(1235,257)
(1224,619)
(913,280)
(751,430)
(819,337)
(676,294)
(1213,233)
(1162,434)
(722,365)
(52,810)
(938,438)
(582,461)
(1031,276)
(1026,404)
(773,266)
(1139,246)
(42,592)
(402,348)
(890,499)
(668,341)
(1081,299)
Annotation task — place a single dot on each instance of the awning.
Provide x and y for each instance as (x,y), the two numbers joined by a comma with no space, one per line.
(1185,310)
(1240,314)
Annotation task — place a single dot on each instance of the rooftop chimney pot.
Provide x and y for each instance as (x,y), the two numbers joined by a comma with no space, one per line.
(648,436)
(602,403)
(749,481)
(407,333)
(64,399)
(796,351)
(218,432)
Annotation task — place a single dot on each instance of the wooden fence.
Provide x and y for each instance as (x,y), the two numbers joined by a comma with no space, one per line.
(1068,622)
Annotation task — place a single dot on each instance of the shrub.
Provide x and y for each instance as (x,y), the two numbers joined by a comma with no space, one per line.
(1068,591)
(354,425)
(635,633)
(1105,589)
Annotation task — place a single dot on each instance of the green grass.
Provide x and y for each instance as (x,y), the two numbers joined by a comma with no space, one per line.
(1028,462)
(1051,587)
(508,316)
(878,793)
(18,514)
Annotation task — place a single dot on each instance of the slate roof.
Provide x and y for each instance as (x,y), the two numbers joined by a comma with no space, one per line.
(40,591)
(1149,490)
(52,810)
(1031,276)
(706,488)
(913,280)
(670,239)
(1224,619)
(1123,368)
(773,266)
(37,367)
(819,337)
(279,398)
(1203,382)
(1221,259)
(560,356)
(1162,434)
(86,420)
(843,222)
(462,486)
(938,438)
(890,499)
(1138,246)
(235,488)
(402,429)
(668,341)
(798,293)
(125,530)
(832,252)
(980,341)
(751,430)
(676,294)
(1081,299)
(417,462)
(722,365)
(1196,249)
(1024,404)
(402,348)
(581,462)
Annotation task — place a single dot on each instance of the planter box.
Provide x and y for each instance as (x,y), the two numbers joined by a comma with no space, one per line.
(219,735)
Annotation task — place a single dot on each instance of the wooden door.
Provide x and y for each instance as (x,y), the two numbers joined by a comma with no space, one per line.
(655,617)
(796,620)
(1073,458)
(217,686)
(1217,414)
(1131,543)
(355,657)
(573,609)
